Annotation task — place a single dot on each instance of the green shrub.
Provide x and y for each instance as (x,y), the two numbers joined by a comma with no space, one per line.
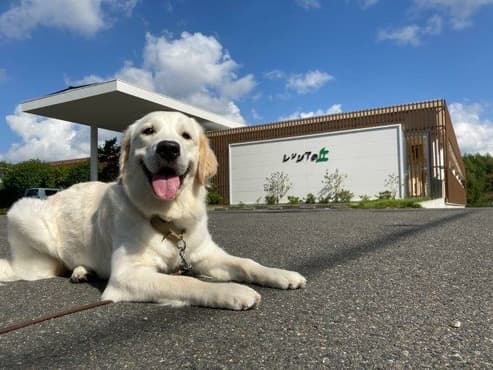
(344,196)
(214,197)
(385,195)
(270,199)
(293,200)
(310,198)
(388,203)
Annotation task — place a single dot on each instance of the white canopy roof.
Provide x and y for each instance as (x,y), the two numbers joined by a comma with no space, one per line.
(114,105)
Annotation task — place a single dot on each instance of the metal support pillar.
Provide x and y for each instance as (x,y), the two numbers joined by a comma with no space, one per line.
(94,153)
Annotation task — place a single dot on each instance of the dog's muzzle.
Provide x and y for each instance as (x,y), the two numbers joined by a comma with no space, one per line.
(168,179)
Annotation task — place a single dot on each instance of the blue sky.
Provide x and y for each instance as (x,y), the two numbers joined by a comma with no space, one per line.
(253,61)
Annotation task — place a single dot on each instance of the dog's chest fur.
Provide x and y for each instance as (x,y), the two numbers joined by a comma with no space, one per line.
(164,255)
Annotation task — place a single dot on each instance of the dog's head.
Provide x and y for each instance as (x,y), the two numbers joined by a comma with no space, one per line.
(165,152)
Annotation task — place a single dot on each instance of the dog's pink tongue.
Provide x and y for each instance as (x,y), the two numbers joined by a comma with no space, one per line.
(165,187)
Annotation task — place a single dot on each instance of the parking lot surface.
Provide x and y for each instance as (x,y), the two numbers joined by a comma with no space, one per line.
(386,289)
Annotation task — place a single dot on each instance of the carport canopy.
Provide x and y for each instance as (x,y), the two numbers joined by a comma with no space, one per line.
(114,105)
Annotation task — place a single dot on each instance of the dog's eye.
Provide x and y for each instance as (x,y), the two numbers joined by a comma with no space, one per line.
(148,131)
(186,136)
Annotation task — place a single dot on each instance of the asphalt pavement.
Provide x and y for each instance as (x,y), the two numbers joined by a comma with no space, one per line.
(386,289)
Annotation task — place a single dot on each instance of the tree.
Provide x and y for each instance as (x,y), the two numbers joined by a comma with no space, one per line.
(479,179)
(77,174)
(277,185)
(108,155)
(4,169)
(16,178)
(333,189)
(392,184)
(24,175)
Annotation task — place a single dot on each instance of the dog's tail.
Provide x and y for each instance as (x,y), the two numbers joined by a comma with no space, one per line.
(6,271)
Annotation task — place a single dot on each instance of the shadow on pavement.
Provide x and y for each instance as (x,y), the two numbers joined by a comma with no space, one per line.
(311,267)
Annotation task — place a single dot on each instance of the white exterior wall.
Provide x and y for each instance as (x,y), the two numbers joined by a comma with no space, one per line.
(367,156)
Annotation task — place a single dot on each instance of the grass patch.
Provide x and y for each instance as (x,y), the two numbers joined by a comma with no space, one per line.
(363,204)
(388,203)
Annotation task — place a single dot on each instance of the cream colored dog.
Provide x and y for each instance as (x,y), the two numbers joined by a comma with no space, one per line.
(139,231)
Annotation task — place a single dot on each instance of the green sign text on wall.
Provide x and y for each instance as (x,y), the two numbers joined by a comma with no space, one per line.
(321,156)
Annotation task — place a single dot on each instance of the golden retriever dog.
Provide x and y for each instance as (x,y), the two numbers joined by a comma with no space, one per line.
(140,231)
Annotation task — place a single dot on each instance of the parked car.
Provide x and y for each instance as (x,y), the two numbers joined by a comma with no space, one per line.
(40,193)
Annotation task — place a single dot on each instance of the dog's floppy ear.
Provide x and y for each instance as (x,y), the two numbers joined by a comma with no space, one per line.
(207,166)
(124,151)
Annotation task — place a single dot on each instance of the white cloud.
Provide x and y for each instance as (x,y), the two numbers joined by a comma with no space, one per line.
(402,36)
(275,74)
(300,83)
(412,34)
(138,76)
(308,82)
(219,105)
(433,26)
(194,63)
(48,139)
(365,4)
(237,87)
(459,11)
(85,17)
(90,79)
(335,108)
(193,68)
(125,7)
(474,132)
(308,4)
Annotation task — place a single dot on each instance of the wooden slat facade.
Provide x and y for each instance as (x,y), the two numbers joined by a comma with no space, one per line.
(434,162)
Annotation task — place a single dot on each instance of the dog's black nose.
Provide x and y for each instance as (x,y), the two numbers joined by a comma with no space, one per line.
(169,150)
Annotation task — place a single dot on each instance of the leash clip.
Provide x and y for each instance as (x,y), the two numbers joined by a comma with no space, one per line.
(165,227)
(181,245)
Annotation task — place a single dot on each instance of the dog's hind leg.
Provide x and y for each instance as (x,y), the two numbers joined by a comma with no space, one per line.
(30,264)
(32,244)
(6,271)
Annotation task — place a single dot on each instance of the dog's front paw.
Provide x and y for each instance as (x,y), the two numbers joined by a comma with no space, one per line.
(79,274)
(284,279)
(234,297)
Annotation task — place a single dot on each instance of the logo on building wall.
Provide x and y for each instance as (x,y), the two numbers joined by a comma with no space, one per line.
(321,156)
